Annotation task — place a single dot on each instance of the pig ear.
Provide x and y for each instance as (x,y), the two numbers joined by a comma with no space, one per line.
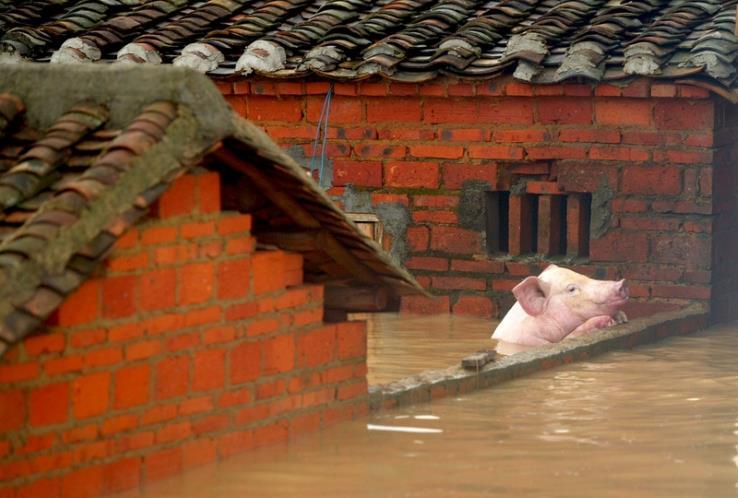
(531,294)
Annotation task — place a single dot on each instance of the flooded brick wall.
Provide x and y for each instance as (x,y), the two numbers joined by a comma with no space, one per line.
(638,159)
(187,347)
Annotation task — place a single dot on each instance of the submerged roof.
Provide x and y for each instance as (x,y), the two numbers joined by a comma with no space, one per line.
(541,41)
(84,153)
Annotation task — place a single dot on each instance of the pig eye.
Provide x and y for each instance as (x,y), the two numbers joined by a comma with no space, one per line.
(571,288)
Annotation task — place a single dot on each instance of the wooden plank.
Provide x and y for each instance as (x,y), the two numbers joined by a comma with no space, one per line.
(291,241)
(344,257)
(355,298)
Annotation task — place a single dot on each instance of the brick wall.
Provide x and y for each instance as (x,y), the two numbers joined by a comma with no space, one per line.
(725,187)
(187,347)
(643,152)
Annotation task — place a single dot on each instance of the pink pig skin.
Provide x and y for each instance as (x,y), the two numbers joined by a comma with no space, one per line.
(561,303)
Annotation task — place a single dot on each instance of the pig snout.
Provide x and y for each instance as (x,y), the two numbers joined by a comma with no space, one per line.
(621,289)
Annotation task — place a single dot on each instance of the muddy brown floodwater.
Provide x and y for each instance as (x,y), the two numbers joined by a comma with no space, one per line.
(659,421)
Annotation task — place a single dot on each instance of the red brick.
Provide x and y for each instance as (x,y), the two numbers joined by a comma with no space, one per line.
(271,109)
(210,424)
(82,306)
(270,389)
(174,431)
(352,339)
(620,246)
(304,423)
(64,365)
(455,175)
(437,151)
(268,271)
(693,92)
(638,88)
(228,225)
(623,112)
(479,306)
(432,89)
(435,201)
(495,152)
(455,240)
(278,354)
(235,442)
(450,111)
(663,90)
(44,343)
(359,173)
(342,110)
(132,386)
(564,111)
(427,263)
(684,156)
(12,410)
(218,335)
(127,263)
(436,217)
(90,394)
(481,266)
(684,115)
(199,452)
(690,250)
(87,338)
(103,357)
(353,390)
(418,238)
(183,341)
(209,192)
(163,463)
(650,180)
(209,369)
(128,240)
(519,136)
(179,199)
(233,279)
(122,475)
(506,111)
(590,135)
(19,372)
(406,134)
(535,187)
(48,404)
(607,91)
(196,283)
(393,110)
(614,153)
(463,135)
(158,289)
(88,482)
(317,347)
(408,174)
(390,199)
(554,152)
(142,350)
(197,229)
(244,361)
(159,413)
(119,296)
(172,377)
(463,283)
(519,89)
(118,424)
(240,245)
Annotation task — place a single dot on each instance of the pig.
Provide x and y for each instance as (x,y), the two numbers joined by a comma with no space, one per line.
(561,303)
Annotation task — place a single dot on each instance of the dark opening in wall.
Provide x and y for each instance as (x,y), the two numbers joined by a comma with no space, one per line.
(544,224)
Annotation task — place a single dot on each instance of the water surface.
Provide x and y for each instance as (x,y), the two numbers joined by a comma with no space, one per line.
(659,421)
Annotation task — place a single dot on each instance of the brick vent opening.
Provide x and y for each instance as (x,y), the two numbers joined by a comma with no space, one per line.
(547,225)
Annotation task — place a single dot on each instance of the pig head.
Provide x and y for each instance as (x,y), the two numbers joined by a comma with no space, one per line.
(561,303)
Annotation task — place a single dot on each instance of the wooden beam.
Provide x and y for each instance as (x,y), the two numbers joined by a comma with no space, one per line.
(291,241)
(286,203)
(352,298)
(325,240)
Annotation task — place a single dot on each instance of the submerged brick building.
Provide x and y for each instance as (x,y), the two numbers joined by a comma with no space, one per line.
(487,138)
(150,320)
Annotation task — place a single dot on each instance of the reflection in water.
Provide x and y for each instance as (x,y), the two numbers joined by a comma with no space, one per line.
(660,421)
(403,345)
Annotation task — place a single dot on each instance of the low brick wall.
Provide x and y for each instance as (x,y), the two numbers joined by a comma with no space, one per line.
(187,347)
(453,381)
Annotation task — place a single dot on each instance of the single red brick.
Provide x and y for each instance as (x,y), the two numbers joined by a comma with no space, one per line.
(209,184)
(436,217)
(209,369)
(228,225)
(65,364)
(122,475)
(90,394)
(44,343)
(479,306)
(342,110)
(172,377)
(119,296)
(158,289)
(463,283)
(245,362)
(183,341)
(405,134)
(278,354)
(495,152)
(411,174)
(82,306)
(49,404)
(179,199)
(271,109)
(351,339)
(197,229)
(613,153)
(626,112)
(173,432)
(590,135)
(127,240)
(19,372)
(481,266)
(196,283)
(352,390)
(455,175)
(156,235)
(427,263)
(437,151)
(12,410)
(650,180)
(435,201)
(506,111)
(393,110)
(132,386)
(558,153)
(317,347)
(200,316)
(565,111)
(103,357)
(270,389)
(519,136)
(127,262)
(619,246)
(418,238)
(163,463)
(233,279)
(118,424)
(268,271)
(159,413)
(359,173)
(375,150)
(87,338)
(450,111)
(390,199)
(142,350)
(195,405)
(607,91)
(455,240)
(693,92)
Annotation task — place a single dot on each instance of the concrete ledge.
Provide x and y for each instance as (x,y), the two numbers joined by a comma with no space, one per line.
(433,384)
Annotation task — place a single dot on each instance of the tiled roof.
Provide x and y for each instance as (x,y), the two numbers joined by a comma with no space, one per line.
(79,166)
(542,41)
